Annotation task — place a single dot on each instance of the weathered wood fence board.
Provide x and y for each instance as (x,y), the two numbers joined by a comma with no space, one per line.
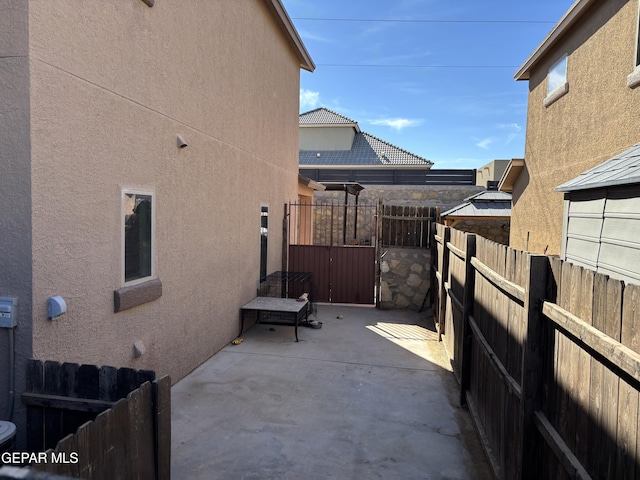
(548,356)
(116,421)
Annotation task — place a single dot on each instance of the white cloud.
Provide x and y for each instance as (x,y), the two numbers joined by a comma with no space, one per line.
(309,99)
(308,37)
(510,126)
(397,123)
(484,143)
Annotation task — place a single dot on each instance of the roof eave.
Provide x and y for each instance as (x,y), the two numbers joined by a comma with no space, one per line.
(284,22)
(380,166)
(510,175)
(326,125)
(571,187)
(569,18)
(307,182)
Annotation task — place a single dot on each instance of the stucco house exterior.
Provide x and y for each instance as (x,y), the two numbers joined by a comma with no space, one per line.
(582,110)
(147,150)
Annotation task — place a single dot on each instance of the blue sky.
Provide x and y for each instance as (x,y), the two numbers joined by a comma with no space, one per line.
(441,87)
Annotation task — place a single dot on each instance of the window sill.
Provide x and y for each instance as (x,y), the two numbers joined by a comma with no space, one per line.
(557,93)
(134,295)
(633,79)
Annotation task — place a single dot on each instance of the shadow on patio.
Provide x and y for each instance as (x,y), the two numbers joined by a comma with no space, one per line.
(369,395)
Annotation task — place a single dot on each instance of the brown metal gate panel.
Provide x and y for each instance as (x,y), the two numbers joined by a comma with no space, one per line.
(353,275)
(316,260)
(340,274)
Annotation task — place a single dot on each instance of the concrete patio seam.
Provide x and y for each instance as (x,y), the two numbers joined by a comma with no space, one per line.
(434,369)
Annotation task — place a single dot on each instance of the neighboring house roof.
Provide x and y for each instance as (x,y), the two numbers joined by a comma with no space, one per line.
(623,169)
(557,32)
(489,203)
(324,116)
(284,22)
(366,150)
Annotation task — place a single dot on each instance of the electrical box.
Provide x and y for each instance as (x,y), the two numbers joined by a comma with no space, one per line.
(8,312)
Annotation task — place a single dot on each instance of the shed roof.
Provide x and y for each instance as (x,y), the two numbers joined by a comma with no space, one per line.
(623,169)
(489,203)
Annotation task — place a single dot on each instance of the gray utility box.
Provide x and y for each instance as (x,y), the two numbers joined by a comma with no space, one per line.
(8,312)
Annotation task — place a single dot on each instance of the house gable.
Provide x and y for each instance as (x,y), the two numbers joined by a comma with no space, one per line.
(328,139)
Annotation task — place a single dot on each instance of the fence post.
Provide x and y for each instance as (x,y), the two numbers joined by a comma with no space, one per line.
(285,237)
(444,274)
(467,335)
(533,354)
(161,394)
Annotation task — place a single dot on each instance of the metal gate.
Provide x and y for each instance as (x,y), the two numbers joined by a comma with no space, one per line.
(341,274)
(337,244)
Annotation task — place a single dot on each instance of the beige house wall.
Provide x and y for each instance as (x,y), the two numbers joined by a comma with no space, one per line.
(112,84)
(594,121)
(326,138)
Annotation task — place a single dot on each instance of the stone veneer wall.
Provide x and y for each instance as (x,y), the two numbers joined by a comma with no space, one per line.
(443,196)
(405,277)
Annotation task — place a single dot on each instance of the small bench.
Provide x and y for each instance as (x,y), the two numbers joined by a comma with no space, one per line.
(276,311)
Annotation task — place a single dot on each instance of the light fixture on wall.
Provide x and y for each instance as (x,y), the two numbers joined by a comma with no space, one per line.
(56,306)
(181,141)
(149,2)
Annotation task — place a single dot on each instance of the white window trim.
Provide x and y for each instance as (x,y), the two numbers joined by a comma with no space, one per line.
(152,194)
(557,93)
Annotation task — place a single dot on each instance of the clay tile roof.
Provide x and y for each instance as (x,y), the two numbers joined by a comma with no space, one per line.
(365,150)
(324,116)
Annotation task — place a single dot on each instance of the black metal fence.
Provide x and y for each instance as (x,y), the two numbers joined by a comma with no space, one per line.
(404,176)
(332,224)
(407,226)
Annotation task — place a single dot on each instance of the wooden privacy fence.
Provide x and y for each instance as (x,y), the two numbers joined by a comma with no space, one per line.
(546,353)
(107,423)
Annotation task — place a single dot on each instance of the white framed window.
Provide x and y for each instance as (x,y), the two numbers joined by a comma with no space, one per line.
(557,75)
(138,225)
(557,84)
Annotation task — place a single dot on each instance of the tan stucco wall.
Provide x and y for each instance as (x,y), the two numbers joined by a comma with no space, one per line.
(492,171)
(326,138)
(112,83)
(15,190)
(594,121)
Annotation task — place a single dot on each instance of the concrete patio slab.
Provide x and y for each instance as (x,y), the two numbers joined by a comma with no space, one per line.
(369,395)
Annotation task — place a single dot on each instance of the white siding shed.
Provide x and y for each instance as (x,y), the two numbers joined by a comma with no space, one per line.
(601,225)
